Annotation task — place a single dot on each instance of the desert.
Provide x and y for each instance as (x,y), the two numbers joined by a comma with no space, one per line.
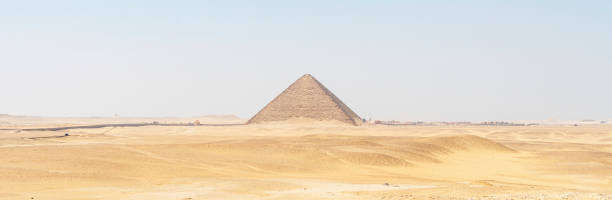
(302,159)
(305,100)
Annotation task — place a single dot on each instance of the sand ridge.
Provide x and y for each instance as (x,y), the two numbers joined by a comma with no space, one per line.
(278,161)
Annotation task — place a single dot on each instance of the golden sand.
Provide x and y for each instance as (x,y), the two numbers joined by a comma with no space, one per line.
(300,161)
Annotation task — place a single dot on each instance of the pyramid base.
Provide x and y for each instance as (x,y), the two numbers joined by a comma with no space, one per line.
(303,122)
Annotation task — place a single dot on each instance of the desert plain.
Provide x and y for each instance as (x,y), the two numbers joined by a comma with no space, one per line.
(295,160)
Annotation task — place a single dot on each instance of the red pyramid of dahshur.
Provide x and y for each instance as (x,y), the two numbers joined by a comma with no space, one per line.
(306,98)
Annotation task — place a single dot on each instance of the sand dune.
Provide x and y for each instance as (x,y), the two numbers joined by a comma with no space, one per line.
(288,161)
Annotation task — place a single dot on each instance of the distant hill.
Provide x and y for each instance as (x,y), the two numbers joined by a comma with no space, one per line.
(6,119)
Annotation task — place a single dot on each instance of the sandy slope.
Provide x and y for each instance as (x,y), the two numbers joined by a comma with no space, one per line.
(324,161)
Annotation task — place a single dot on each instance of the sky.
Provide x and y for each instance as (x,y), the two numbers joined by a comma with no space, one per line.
(404,60)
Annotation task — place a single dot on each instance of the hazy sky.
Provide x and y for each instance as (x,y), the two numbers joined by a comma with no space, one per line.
(406,60)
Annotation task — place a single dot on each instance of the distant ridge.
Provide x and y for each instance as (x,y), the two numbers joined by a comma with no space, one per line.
(306,98)
(97,120)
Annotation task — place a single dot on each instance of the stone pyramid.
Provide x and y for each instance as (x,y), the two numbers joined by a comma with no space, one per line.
(306,98)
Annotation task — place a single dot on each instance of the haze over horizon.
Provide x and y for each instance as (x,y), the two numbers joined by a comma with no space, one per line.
(429,61)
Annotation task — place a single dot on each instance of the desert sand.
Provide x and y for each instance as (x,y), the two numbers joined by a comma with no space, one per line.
(292,160)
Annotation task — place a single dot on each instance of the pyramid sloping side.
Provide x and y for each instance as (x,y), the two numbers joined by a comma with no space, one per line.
(347,111)
(306,98)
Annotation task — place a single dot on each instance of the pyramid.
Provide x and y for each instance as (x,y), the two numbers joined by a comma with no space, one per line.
(306,98)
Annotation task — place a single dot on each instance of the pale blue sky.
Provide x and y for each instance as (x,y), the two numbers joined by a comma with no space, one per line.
(405,60)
